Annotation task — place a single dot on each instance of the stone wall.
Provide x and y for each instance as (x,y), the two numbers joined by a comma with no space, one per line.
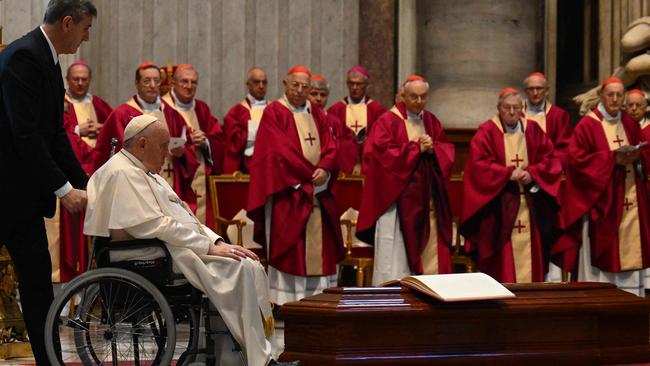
(221,38)
(469,50)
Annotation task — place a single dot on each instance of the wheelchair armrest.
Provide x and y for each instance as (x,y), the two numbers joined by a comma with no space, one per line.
(104,246)
(130,245)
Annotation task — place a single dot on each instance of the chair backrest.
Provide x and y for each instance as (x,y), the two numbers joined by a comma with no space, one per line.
(229,195)
(348,192)
(455,191)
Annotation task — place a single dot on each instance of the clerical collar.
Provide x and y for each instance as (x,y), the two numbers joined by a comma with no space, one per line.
(149,107)
(413,116)
(302,109)
(535,109)
(515,129)
(362,101)
(255,103)
(607,116)
(183,106)
(134,160)
(88,98)
(55,56)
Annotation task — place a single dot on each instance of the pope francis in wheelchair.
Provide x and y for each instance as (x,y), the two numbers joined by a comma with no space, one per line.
(130,314)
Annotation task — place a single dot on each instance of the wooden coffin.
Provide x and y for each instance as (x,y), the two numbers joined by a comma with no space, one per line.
(546,324)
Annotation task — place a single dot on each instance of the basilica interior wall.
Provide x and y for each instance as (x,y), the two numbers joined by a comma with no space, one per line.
(222,38)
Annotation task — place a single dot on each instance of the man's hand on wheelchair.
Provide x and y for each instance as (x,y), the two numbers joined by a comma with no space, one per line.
(223,249)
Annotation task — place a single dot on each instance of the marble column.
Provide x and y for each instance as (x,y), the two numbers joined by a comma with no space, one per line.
(469,50)
(377,26)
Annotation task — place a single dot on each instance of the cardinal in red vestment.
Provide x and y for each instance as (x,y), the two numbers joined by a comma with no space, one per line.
(181,165)
(608,227)
(357,112)
(511,183)
(242,122)
(405,211)
(290,198)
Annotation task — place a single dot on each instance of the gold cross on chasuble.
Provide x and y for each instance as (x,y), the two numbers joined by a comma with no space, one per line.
(85,112)
(515,152)
(619,141)
(629,231)
(356,116)
(309,138)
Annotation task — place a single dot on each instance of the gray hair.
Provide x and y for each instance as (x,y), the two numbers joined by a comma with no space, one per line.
(250,71)
(77,9)
(355,73)
(407,83)
(525,82)
(320,84)
(504,96)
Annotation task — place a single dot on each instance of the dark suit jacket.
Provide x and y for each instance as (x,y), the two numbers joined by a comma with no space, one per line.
(35,155)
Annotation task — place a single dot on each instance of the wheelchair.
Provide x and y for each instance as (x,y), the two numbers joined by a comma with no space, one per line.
(126,313)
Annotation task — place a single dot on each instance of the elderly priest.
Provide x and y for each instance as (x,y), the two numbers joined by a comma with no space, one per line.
(181,163)
(511,184)
(405,208)
(608,218)
(290,197)
(128,199)
(357,111)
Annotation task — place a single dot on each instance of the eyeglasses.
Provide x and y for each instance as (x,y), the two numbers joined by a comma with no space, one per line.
(516,108)
(298,86)
(187,83)
(150,81)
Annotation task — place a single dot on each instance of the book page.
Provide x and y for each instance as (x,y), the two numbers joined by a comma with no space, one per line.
(176,142)
(460,286)
(631,148)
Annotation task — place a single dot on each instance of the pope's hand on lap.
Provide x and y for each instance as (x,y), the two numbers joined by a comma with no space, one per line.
(223,249)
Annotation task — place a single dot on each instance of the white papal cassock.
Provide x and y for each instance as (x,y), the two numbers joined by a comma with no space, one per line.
(127,201)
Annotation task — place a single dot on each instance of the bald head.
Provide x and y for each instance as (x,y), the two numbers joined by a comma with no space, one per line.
(256,82)
(78,77)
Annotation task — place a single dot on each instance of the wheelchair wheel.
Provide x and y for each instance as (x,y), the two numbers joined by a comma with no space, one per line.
(119,318)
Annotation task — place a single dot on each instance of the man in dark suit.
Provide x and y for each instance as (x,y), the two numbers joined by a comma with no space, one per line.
(36,159)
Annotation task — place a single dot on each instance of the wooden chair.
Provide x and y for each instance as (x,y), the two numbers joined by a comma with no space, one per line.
(229,195)
(455,190)
(348,195)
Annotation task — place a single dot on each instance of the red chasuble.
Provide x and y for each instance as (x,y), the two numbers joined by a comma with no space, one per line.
(398,173)
(235,125)
(491,201)
(102,110)
(347,149)
(596,186)
(645,136)
(278,164)
(184,167)
(358,126)
(556,123)
(73,248)
(213,160)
